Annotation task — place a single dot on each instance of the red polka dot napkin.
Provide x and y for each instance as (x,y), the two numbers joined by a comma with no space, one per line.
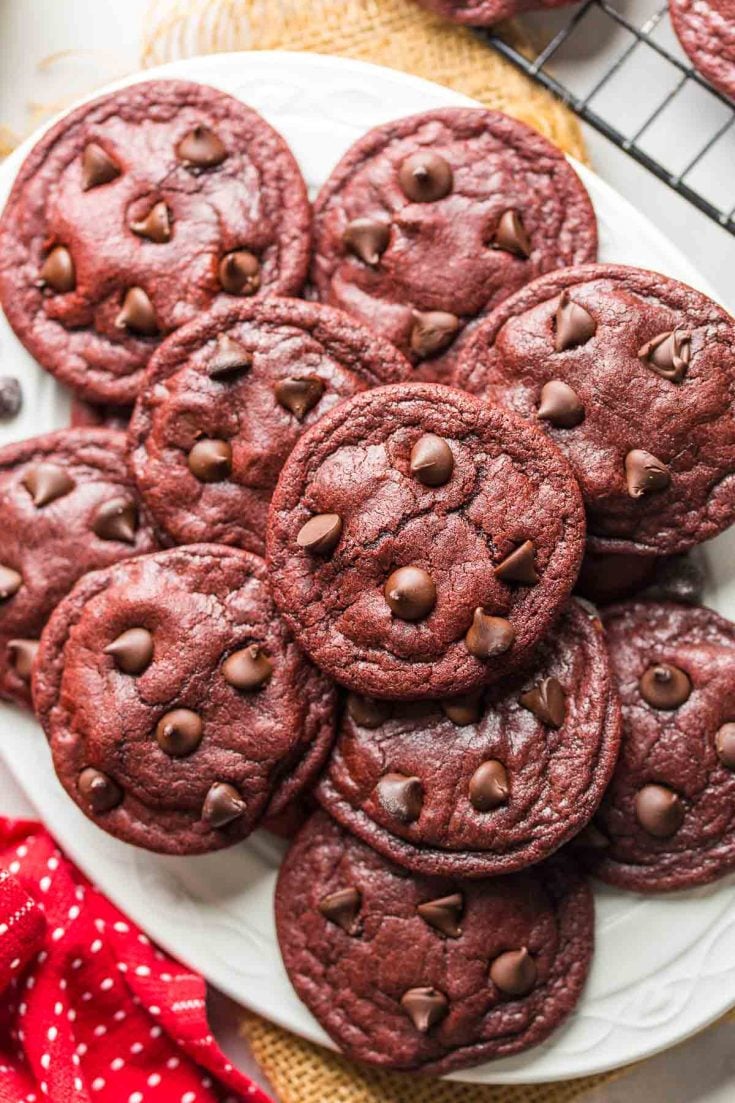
(90,1010)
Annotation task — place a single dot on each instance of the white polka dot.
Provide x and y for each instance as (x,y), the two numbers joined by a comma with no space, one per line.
(106,984)
(71,1014)
(98,1084)
(96,946)
(119,1015)
(173,1063)
(78,1083)
(74,911)
(135,1097)
(75,1059)
(122,966)
(43,1086)
(142,971)
(42,957)
(136,1047)
(86,997)
(62,984)
(156,1032)
(14,867)
(154,1010)
(81,1049)
(77,963)
(100,925)
(228,1067)
(153,1080)
(121,927)
(52,1033)
(57,934)
(188,1097)
(15,963)
(143,938)
(53,863)
(22,1008)
(30,982)
(3,928)
(117,1064)
(58,1007)
(206,1082)
(99,1031)
(45,1060)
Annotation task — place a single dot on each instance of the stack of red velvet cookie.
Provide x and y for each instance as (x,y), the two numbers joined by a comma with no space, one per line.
(331,558)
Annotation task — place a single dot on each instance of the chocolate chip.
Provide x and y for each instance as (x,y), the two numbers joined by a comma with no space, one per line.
(463,710)
(511,235)
(401,796)
(45,482)
(210,461)
(117,520)
(489,636)
(10,582)
(519,565)
(98,791)
(342,908)
(132,650)
(644,474)
(222,805)
(574,325)
(22,654)
(443,914)
(179,732)
(489,786)
(659,811)
(239,273)
(137,313)
(230,359)
(432,332)
(57,271)
(560,405)
(410,593)
(367,239)
(664,686)
(201,148)
(425,177)
(156,226)
(320,535)
(425,1007)
(97,167)
(547,701)
(514,972)
(298,396)
(432,461)
(247,669)
(668,354)
(725,745)
(367,712)
(11,397)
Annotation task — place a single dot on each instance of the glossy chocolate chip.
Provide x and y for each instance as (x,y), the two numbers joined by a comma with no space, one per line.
(489,636)
(443,914)
(156,226)
(519,566)
(645,474)
(573,324)
(137,314)
(560,405)
(201,148)
(432,461)
(11,397)
(514,972)
(511,235)
(230,359)
(247,669)
(668,354)
(725,745)
(547,701)
(210,461)
(132,651)
(432,332)
(425,1007)
(367,712)
(45,482)
(320,535)
(10,582)
(342,908)
(368,239)
(57,271)
(463,710)
(401,796)
(298,396)
(22,653)
(425,177)
(659,811)
(98,791)
(664,686)
(117,520)
(239,273)
(410,593)
(489,786)
(222,805)
(98,167)
(179,732)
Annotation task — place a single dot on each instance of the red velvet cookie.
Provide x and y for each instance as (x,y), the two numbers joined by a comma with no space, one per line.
(429,974)
(226,398)
(486,784)
(706,29)
(430,221)
(632,375)
(421,543)
(178,709)
(131,215)
(483,13)
(666,821)
(67,506)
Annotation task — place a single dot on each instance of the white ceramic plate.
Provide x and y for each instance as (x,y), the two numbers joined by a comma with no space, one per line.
(664,967)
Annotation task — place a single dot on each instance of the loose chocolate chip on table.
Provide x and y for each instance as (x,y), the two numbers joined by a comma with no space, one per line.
(519,565)
(443,914)
(659,811)
(239,273)
(367,239)
(247,669)
(511,235)
(10,582)
(98,790)
(342,908)
(432,461)
(57,271)
(425,177)
(664,686)
(45,482)
(668,354)
(22,654)
(644,473)
(320,535)
(425,1007)
(11,397)
(117,520)
(230,359)
(97,167)
(410,593)
(514,972)
(201,148)
(433,332)
(156,226)
(489,786)
(401,796)
(137,313)
(298,396)
(560,405)
(574,325)
(547,701)
(489,636)
(179,732)
(368,712)
(210,461)
(222,805)
(466,709)
(132,651)
(725,745)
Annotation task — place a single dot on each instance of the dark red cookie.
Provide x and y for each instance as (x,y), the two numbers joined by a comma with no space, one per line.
(430,221)
(489,783)
(178,709)
(421,542)
(131,215)
(226,398)
(483,13)
(605,577)
(67,506)
(429,974)
(632,375)
(706,29)
(666,821)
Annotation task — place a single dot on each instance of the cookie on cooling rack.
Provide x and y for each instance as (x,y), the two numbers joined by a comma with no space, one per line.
(706,30)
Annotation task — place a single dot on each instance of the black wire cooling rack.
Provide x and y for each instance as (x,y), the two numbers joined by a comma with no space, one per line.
(620,67)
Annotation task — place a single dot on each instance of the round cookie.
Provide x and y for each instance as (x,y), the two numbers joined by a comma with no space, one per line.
(483,13)
(131,215)
(486,784)
(178,709)
(666,821)
(67,506)
(631,374)
(429,974)
(706,30)
(430,221)
(226,398)
(420,542)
